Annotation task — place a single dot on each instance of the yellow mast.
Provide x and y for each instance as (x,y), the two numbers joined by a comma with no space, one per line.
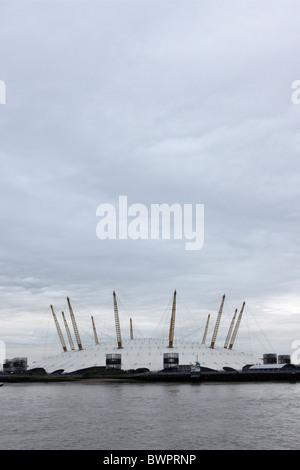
(172,322)
(95,332)
(68,332)
(131,330)
(214,337)
(230,329)
(59,330)
(117,322)
(205,331)
(236,327)
(75,326)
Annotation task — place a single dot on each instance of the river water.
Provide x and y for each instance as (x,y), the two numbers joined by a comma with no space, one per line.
(158,416)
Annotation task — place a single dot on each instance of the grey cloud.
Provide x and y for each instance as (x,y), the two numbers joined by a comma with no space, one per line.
(191,105)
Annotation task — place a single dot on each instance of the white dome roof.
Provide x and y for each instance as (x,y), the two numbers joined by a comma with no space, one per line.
(147,353)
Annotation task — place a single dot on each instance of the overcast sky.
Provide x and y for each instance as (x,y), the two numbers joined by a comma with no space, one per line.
(184,102)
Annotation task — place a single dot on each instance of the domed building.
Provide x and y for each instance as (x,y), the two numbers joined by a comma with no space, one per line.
(149,353)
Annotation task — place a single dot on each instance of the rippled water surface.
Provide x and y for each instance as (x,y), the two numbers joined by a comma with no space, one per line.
(113,416)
